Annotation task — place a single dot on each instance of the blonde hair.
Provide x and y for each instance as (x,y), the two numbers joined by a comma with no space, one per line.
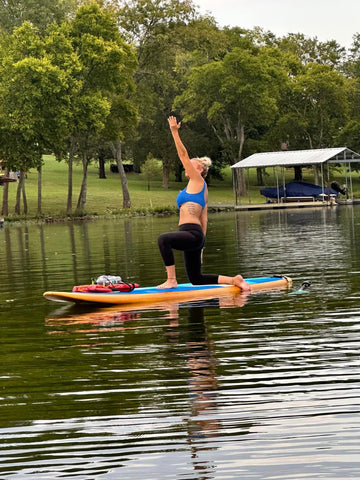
(205,162)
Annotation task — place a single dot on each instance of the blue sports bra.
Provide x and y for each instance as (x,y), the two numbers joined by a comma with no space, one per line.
(184,197)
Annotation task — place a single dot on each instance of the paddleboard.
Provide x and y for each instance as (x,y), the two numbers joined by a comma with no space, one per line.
(183,292)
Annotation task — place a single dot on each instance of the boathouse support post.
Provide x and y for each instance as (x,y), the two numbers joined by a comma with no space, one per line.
(350,180)
(248,183)
(234,186)
(284,180)
(277,184)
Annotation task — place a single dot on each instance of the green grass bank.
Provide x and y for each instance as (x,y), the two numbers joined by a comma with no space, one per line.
(104,196)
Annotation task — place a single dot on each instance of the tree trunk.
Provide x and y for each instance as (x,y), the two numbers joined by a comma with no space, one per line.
(316,175)
(81,204)
(25,204)
(5,199)
(259,175)
(70,163)
(239,174)
(70,174)
(39,190)
(18,195)
(239,177)
(239,184)
(101,156)
(178,173)
(298,174)
(166,175)
(117,152)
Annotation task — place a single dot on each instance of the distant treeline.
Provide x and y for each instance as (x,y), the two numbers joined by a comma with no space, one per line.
(89,81)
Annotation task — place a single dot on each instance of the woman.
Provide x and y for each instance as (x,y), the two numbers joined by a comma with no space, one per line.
(192,203)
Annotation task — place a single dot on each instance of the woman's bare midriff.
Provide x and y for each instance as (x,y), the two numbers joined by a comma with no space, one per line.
(190,213)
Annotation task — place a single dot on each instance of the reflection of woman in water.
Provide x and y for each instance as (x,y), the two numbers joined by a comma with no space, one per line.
(203,385)
(190,238)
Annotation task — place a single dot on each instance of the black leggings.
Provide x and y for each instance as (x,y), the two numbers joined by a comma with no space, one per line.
(190,239)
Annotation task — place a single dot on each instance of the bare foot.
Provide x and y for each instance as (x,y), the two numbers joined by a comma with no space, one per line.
(168,284)
(240,282)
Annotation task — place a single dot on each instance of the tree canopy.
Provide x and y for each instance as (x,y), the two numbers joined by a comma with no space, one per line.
(40,14)
(78,78)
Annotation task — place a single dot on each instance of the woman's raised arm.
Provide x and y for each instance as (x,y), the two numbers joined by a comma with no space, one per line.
(180,147)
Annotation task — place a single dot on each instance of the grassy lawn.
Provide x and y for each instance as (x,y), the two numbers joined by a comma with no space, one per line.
(104,196)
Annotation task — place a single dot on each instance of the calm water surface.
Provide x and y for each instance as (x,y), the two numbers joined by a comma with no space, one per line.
(263,387)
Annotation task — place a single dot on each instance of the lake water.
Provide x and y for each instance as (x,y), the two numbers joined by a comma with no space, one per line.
(266,388)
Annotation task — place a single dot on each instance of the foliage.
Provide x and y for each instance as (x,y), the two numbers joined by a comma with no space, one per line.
(314,105)
(236,94)
(35,93)
(75,81)
(40,14)
(153,26)
(310,50)
(350,135)
(107,64)
(151,169)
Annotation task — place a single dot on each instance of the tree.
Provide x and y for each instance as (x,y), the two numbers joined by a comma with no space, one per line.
(40,14)
(143,20)
(349,133)
(151,169)
(107,67)
(352,65)
(5,196)
(152,26)
(309,50)
(91,112)
(121,123)
(314,107)
(34,102)
(235,94)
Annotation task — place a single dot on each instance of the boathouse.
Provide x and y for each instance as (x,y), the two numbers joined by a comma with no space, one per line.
(322,158)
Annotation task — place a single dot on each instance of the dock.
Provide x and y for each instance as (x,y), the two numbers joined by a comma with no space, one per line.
(217,207)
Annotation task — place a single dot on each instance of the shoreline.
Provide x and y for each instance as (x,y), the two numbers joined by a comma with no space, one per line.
(131,213)
(156,212)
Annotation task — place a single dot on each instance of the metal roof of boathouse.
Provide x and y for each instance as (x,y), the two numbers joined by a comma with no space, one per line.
(291,158)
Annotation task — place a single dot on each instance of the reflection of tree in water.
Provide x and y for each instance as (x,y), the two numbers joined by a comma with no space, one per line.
(8,256)
(73,251)
(44,275)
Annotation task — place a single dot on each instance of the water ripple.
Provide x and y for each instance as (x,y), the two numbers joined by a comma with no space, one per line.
(265,390)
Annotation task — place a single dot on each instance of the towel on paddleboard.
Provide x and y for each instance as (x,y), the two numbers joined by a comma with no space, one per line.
(120,287)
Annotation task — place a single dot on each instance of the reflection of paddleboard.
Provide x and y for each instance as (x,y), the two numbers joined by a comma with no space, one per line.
(87,313)
(185,291)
